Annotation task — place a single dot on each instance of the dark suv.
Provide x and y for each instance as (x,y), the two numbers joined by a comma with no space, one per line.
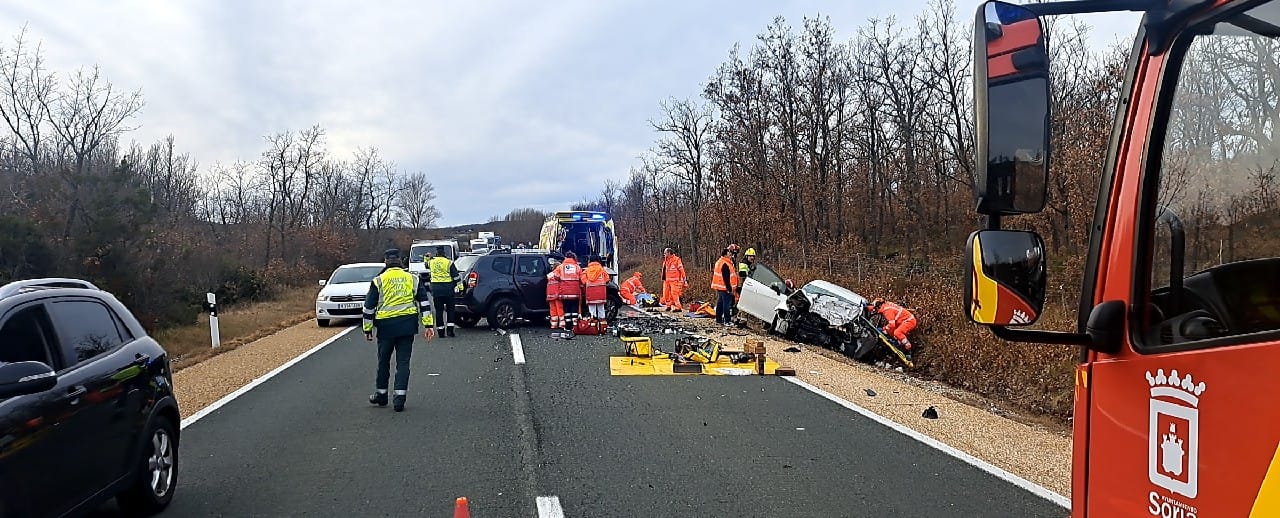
(507,285)
(87,410)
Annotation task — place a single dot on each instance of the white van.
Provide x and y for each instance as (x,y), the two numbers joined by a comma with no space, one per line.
(419,250)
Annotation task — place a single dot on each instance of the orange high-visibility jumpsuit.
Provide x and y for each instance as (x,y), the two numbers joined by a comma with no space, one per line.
(630,288)
(674,281)
(900,323)
(553,302)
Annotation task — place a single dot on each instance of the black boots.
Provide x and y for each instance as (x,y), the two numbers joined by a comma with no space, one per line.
(450,331)
(398,403)
(378,398)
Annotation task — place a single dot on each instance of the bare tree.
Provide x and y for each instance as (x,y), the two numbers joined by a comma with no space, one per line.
(413,202)
(684,152)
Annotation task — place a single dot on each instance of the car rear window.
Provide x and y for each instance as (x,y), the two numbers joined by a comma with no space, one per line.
(465,262)
(502,264)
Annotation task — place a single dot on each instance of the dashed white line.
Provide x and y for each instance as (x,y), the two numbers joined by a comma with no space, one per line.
(261,379)
(1036,489)
(517,349)
(549,507)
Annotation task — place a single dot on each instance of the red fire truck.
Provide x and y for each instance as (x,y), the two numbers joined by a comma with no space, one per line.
(1179,329)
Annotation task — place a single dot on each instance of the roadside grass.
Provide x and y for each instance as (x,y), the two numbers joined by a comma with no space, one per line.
(238,325)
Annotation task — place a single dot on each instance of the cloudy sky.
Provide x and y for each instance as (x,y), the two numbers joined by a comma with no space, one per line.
(504,104)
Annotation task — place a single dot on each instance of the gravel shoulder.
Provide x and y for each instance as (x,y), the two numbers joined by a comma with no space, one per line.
(1038,453)
(199,385)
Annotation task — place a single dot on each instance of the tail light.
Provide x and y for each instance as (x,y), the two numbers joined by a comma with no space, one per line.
(472,279)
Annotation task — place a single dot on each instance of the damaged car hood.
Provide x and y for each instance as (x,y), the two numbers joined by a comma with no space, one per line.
(837,305)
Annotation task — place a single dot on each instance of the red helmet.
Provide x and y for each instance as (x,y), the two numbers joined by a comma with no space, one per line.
(733,248)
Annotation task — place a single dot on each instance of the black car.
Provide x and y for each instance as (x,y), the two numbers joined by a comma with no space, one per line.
(507,285)
(87,411)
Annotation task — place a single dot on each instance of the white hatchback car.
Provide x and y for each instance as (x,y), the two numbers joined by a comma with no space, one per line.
(343,294)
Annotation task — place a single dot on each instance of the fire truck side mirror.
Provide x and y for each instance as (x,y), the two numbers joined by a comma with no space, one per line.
(1005,282)
(1011,110)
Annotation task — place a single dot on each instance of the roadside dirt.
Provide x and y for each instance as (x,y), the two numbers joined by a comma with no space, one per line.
(1038,450)
(202,383)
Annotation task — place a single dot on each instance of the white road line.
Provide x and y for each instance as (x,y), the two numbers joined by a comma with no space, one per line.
(1023,483)
(261,379)
(517,349)
(549,507)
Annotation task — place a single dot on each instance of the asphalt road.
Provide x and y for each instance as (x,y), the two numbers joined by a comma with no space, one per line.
(307,443)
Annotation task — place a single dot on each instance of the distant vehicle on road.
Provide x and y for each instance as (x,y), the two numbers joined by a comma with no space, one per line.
(507,285)
(342,296)
(87,411)
(419,249)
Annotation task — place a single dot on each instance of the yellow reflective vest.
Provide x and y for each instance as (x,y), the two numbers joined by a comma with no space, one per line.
(440,270)
(397,297)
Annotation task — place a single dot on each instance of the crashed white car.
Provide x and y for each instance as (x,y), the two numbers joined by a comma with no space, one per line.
(820,313)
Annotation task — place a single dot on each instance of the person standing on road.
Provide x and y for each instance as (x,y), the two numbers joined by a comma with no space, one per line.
(570,276)
(596,280)
(724,279)
(674,281)
(395,304)
(556,309)
(445,279)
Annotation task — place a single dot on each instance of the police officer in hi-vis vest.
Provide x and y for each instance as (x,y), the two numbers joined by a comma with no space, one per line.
(395,305)
(445,279)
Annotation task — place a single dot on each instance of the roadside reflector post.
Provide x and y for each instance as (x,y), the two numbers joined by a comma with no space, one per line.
(212,305)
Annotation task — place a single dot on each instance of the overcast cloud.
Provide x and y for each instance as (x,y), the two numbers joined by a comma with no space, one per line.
(503,104)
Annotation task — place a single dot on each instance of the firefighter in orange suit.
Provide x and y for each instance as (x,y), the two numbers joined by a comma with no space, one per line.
(674,281)
(631,287)
(556,315)
(901,321)
(570,276)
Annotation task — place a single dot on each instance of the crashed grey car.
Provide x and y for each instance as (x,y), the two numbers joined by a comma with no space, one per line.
(823,314)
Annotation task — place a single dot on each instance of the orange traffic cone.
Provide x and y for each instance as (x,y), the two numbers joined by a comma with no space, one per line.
(460,508)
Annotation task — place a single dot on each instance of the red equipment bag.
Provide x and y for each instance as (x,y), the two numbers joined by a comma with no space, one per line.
(590,326)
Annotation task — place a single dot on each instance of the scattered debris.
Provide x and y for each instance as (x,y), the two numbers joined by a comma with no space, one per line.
(501,331)
(871,393)
(792,349)
(800,429)
(930,413)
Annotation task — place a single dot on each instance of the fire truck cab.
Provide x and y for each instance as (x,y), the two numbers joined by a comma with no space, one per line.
(1179,317)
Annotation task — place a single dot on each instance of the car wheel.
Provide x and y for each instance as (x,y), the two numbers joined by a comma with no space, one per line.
(157,475)
(503,314)
(611,308)
(322,322)
(468,321)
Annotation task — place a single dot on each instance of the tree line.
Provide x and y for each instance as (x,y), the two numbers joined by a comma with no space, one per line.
(148,223)
(852,160)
